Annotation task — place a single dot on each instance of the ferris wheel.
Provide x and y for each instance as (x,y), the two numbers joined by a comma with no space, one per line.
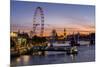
(38,21)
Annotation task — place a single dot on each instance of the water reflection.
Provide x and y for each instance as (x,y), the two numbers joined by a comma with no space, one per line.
(85,54)
(26,59)
(18,60)
(73,57)
(23,59)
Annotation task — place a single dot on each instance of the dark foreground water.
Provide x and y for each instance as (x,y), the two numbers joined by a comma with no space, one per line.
(86,54)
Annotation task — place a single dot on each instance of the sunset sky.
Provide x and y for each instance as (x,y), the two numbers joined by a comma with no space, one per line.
(79,18)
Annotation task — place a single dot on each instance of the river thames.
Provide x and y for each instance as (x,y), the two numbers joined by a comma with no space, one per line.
(86,53)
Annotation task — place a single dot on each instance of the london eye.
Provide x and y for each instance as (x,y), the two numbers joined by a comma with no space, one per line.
(38,21)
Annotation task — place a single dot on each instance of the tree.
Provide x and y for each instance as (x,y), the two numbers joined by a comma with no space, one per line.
(13,44)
